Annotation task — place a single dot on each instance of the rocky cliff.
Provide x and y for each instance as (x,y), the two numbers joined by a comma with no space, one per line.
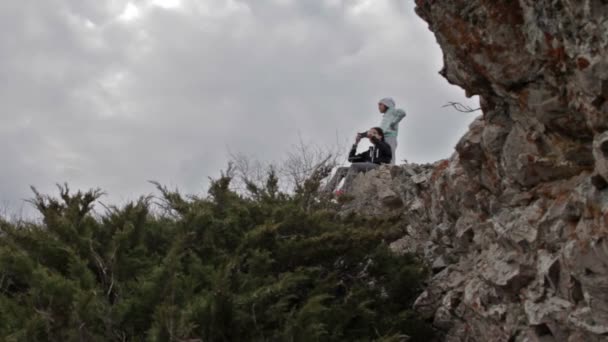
(515,223)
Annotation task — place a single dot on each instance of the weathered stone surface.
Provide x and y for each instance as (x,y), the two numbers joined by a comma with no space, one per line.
(515,223)
(587,320)
(553,309)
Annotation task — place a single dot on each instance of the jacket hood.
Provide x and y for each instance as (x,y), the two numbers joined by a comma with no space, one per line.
(387,101)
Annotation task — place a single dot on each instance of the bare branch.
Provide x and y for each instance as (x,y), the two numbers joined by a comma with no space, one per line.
(461,108)
(305,160)
(304,166)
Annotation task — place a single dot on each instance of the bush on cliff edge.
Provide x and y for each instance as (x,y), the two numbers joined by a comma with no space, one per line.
(264,267)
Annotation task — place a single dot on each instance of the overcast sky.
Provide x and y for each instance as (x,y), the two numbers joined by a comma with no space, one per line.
(113,93)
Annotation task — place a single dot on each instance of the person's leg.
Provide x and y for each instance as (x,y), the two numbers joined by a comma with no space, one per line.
(392,141)
(333,183)
(363,167)
(353,171)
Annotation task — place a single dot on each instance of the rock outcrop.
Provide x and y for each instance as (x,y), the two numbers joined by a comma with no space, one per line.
(515,223)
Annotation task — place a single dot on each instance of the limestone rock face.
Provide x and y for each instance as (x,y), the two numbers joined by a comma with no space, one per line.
(515,224)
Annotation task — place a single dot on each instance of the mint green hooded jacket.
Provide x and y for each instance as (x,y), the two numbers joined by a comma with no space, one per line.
(390,121)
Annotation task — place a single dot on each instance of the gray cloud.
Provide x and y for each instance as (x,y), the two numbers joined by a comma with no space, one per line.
(95,100)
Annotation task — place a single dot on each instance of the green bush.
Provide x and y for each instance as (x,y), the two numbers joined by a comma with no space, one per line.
(264,267)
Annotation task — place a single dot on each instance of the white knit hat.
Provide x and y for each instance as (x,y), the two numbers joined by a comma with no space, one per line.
(389,102)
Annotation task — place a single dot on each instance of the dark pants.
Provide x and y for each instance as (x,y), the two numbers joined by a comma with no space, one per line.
(349,174)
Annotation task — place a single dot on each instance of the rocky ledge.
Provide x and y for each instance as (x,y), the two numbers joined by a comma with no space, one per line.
(515,223)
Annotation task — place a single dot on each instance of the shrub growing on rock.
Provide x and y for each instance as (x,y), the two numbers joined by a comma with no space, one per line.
(225,267)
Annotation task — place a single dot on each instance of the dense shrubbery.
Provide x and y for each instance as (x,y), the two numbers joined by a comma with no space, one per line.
(264,267)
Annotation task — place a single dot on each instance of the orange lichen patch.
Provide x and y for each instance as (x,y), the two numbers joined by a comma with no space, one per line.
(480,69)
(558,54)
(475,306)
(461,34)
(562,198)
(544,191)
(523,99)
(439,170)
(491,167)
(556,51)
(468,37)
(582,63)
(493,52)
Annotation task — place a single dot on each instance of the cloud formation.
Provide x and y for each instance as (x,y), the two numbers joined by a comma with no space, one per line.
(114,93)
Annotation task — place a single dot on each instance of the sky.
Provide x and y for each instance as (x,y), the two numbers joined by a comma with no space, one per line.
(115,93)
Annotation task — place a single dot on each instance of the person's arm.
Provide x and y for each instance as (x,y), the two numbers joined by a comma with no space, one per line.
(353,157)
(397,117)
